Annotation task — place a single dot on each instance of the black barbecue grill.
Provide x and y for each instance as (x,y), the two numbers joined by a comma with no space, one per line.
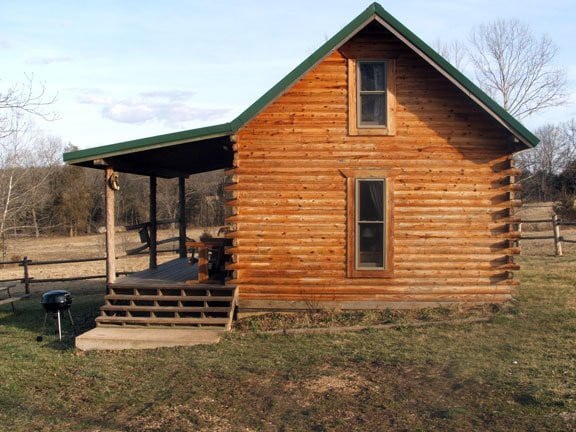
(55,302)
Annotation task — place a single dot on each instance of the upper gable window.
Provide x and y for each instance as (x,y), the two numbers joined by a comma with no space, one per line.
(371,94)
(371,97)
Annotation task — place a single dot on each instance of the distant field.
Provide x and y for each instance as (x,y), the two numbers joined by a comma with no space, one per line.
(515,372)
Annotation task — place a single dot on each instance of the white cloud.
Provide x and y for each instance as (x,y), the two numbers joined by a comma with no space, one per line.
(128,112)
(168,95)
(170,107)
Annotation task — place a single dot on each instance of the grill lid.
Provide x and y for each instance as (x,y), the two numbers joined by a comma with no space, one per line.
(56,300)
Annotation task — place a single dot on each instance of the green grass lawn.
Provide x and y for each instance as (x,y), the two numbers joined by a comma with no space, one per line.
(516,372)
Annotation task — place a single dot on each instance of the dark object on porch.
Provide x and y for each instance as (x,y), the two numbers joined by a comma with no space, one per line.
(54,302)
(212,258)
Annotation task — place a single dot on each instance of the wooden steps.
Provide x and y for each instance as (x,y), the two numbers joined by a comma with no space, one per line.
(169,305)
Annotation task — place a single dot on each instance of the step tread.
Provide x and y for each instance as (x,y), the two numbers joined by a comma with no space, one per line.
(167,297)
(173,286)
(164,308)
(156,320)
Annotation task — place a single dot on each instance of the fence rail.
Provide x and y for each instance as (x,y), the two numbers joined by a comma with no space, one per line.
(556,235)
(26,263)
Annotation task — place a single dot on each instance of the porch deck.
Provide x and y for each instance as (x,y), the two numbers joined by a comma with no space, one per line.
(176,271)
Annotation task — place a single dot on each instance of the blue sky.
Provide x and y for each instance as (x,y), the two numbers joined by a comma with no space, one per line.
(127,69)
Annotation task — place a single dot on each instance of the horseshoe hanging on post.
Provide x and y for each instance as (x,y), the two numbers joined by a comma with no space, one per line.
(113,182)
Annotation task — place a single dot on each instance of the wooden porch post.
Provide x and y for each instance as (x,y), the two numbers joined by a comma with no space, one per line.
(182,217)
(110,226)
(153,224)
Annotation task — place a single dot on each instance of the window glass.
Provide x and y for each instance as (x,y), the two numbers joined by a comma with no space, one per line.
(371,200)
(373,109)
(373,76)
(372,93)
(370,224)
(371,245)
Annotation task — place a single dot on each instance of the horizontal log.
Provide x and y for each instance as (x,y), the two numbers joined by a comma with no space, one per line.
(311,292)
(259,202)
(262,185)
(319,194)
(384,154)
(286,234)
(391,298)
(467,146)
(287,218)
(439,165)
(290,250)
(319,281)
(399,265)
(318,228)
(292,242)
(320,273)
(422,248)
(335,213)
(405,260)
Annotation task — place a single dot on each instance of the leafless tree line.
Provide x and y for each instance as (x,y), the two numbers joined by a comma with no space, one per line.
(42,196)
(549,170)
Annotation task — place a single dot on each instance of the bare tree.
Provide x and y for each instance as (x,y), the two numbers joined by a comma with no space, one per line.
(26,160)
(20,101)
(516,68)
(455,52)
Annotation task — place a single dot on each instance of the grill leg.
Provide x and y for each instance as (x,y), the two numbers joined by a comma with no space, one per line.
(70,316)
(44,323)
(59,327)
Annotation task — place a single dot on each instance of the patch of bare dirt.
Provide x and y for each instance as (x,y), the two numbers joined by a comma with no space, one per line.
(346,382)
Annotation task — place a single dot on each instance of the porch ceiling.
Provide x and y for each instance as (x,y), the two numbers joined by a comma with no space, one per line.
(168,161)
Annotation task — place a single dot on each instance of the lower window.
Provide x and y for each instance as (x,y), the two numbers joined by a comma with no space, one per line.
(369,223)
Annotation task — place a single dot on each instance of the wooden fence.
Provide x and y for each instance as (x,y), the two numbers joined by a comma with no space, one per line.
(144,249)
(27,279)
(556,223)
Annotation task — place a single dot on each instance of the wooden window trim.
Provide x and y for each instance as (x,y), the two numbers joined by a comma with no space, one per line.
(353,127)
(351,176)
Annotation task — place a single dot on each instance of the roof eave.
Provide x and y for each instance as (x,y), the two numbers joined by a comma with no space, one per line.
(148,143)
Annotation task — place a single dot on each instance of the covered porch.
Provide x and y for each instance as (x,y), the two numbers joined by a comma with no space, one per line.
(183,293)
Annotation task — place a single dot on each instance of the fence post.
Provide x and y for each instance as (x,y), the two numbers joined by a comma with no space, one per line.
(557,238)
(26,275)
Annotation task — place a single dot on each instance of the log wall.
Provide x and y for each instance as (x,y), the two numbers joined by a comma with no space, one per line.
(453,192)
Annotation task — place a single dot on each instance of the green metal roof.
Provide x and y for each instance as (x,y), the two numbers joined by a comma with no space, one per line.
(373,12)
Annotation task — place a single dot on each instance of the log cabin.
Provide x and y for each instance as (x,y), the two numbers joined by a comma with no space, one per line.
(374,175)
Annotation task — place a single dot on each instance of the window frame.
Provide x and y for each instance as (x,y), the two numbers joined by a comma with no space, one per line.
(353,176)
(354,98)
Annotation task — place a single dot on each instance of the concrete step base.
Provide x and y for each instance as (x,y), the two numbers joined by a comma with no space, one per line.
(120,338)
